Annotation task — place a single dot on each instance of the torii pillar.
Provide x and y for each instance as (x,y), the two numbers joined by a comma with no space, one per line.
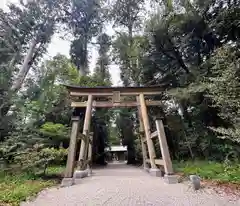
(68,176)
(82,160)
(141,131)
(154,171)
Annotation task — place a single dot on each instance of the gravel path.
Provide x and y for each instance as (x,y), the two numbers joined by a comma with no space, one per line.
(122,185)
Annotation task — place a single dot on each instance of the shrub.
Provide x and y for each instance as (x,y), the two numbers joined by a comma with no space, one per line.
(36,159)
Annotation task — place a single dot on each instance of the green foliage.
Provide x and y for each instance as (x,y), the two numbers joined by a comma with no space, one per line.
(195,59)
(130,57)
(33,158)
(91,81)
(17,188)
(54,156)
(45,99)
(190,48)
(85,20)
(54,130)
(27,149)
(102,70)
(223,85)
(125,126)
(126,13)
(221,172)
(113,136)
(37,158)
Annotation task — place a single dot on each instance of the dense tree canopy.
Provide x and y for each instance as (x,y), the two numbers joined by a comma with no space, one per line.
(190,48)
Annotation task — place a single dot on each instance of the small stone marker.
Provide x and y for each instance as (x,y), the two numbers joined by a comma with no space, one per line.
(195,180)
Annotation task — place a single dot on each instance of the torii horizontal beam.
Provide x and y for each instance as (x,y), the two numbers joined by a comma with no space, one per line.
(98,94)
(109,91)
(105,104)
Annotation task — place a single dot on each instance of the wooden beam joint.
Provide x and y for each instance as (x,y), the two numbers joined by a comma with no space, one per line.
(85,137)
(116,97)
(154,134)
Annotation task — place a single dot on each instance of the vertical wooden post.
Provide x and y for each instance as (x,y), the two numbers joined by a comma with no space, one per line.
(72,148)
(151,149)
(85,155)
(164,148)
(90,149)
(144,150)
(141,130)
(90,153)
(86,127)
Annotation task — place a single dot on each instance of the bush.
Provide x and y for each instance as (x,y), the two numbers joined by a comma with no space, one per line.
(20,150)
(54,156)
(54,134)
(37,159)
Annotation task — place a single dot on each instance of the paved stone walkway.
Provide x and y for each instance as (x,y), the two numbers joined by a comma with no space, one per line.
(122,185)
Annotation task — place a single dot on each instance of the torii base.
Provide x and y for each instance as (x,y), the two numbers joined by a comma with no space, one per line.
(89,170)
(67,182)
(78,174)
(155,172)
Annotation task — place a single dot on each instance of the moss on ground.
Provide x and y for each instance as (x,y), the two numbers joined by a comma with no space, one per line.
(220,172)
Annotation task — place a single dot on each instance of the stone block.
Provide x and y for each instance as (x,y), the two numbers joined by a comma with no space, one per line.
(66,182)
(171,179)
(78,174)
(155,172)
(196,182)
(89,170)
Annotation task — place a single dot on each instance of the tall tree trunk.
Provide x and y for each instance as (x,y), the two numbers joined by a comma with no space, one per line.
(25,67)
(84,67)
(17,84)
(185,115)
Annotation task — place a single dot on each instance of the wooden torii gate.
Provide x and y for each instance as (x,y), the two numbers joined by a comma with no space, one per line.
(114,96)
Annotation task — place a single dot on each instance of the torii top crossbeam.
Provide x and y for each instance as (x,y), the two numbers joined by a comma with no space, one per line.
(115,93)
(109,91)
